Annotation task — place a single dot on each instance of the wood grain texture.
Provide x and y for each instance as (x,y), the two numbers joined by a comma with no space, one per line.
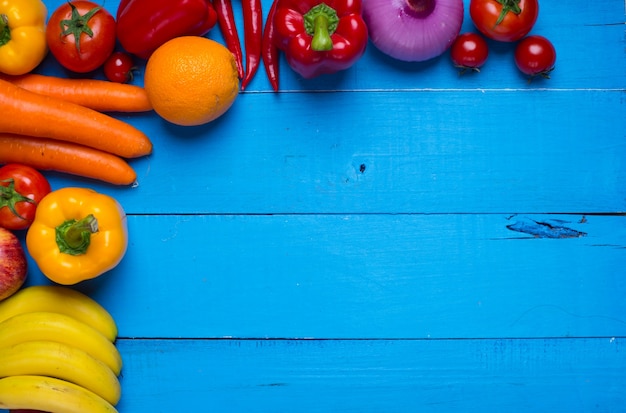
(518,376)
(367,276)
(452,152)
(391,238)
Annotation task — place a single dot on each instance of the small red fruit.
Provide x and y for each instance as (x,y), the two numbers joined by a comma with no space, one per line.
(535,55)
(469,51)
(119,67)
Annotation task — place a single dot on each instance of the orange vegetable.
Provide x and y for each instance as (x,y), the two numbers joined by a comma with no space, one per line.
(30,114)
(52,155)
(100,95)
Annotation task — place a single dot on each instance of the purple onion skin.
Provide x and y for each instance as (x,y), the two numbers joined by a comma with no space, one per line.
(413,30)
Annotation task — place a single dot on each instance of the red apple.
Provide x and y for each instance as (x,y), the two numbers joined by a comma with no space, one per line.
(12,264)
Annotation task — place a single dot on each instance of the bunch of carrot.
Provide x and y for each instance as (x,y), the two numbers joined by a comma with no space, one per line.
(60,124)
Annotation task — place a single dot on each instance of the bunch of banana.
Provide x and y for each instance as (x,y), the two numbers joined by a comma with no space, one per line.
(57,352)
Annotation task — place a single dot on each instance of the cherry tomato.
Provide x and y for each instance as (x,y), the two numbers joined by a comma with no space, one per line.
(504,20)
(469,51)
(81,35)
(21,189)
(119,67)
(535,55)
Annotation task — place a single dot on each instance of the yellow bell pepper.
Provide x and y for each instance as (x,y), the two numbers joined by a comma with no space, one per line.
(77,234)
(22,35)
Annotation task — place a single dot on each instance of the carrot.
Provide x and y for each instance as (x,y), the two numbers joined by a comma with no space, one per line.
(51,155)
(27,113)
(100,95)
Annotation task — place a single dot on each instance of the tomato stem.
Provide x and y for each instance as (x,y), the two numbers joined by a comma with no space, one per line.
(508,6)
(78,24)
(9,197)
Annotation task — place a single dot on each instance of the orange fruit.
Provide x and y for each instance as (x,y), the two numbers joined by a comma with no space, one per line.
(191,80)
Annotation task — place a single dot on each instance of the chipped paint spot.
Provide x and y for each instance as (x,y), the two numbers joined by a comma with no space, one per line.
(543,229)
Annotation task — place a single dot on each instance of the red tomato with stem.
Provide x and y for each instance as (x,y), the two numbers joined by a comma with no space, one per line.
(535,55)
(469,51)
(81,35)
(21,189)
(119,67)
(504,20)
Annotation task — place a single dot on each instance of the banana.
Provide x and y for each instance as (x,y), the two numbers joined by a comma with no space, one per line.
(48,358)
(61,328)
(59,299)
(49,395)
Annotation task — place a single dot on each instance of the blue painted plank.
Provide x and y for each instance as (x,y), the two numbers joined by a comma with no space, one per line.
(555,151)
(310,376)
(366,276)
(470,376)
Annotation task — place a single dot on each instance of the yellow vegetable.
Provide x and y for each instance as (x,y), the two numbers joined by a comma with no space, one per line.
(22,35)
(77,234)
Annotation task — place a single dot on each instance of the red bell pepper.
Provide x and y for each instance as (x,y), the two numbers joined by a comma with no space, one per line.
(144,25)
(320,37)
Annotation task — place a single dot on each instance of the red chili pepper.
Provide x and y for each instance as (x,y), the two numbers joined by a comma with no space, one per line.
(320,37)
(144,25)
(270,50)
(226,21)
(253,37)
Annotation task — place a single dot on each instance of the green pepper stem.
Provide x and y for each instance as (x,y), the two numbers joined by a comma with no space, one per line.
(321,22)
(73,237)
(5,30)
(508,6)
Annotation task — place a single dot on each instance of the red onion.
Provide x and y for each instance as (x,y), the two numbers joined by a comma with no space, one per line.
(413,30)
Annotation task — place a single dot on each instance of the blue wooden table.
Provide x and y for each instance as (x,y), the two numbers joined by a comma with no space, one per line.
(392,238)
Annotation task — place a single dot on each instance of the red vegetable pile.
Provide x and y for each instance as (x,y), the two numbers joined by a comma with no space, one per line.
(505,21)
(317,36)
